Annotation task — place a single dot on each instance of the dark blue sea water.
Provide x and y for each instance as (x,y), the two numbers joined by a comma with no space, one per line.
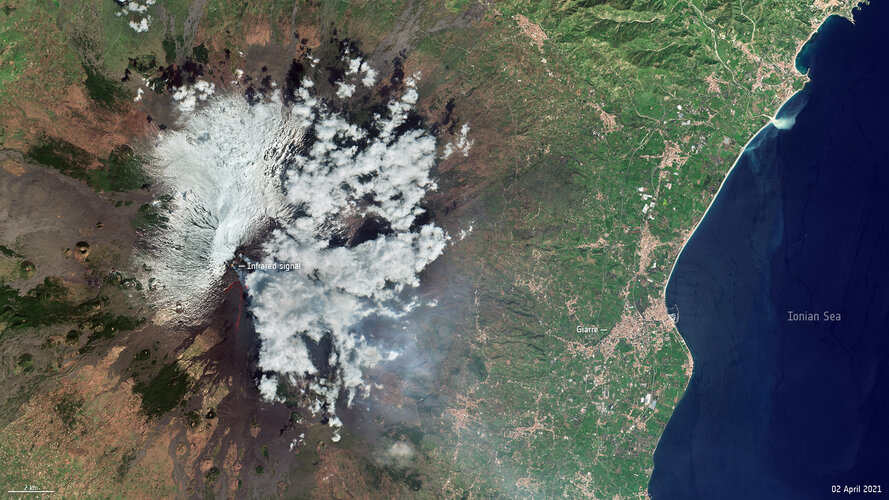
(791,409)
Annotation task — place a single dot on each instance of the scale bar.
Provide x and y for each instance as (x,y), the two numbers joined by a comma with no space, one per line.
(31,491)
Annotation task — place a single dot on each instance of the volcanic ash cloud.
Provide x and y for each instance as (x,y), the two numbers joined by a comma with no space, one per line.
(297,181)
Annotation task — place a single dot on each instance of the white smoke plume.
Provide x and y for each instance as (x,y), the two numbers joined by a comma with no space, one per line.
(399,454)
(287,179)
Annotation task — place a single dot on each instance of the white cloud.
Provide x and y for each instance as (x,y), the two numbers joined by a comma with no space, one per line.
(344,89)
(370,77)
(354,66)
(136,7)
(235,173)
(357,66)
(268,387)
(140,20)
(462,143)
(141,26)
(188,96)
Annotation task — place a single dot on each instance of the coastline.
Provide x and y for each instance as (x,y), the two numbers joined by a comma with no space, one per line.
(728,173)
(719,257)
(850,16)
(691,371)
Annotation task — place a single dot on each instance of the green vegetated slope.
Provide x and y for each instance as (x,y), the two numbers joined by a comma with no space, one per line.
(44,327)
(583,114)
(609,107)
(55,58)
(32,324)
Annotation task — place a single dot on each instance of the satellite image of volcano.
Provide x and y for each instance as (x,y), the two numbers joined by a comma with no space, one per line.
(421,248)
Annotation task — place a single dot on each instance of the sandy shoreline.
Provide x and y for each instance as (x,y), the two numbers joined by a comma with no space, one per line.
(849,16)
(732,168)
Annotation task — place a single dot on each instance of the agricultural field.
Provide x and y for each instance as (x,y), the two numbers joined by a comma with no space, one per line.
(575,145)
